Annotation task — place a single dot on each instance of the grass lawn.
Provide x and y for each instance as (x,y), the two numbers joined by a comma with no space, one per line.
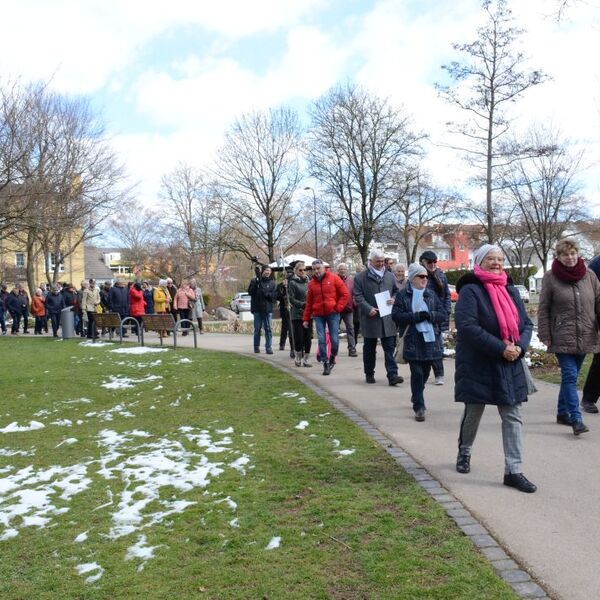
(192,474)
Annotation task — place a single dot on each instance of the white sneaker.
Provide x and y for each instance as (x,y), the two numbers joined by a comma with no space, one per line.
(439,381)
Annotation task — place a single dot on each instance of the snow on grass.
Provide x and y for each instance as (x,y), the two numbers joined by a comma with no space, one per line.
(109,413)
(345,452)
(82,537)
(289,394)
(239,464)
(15,427)
(231,503)
(91,344)
(68,442)
(274,543)
(535,343)
(119,383)
(62,422)
(89,568)
(27,497)
(142,551)
(302,425)
(139,350)
(10,452)
(184,361)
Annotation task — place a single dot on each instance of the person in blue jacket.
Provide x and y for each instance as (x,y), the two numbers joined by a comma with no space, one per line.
(493,333)
(419,314)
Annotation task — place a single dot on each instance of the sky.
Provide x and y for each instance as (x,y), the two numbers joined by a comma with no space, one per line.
(170,77)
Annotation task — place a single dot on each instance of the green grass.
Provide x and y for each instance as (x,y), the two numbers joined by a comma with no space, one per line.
(354,526)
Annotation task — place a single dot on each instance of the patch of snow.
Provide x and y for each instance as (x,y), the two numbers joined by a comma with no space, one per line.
(274,543)
(42,413)
(228,430)
(142,551)
(336,443)
(89,568)
(240,463)
(82,537)
(68,441)
(449,351)
(91,344)
(231,503)
(302,425)
(234,523)
(535,343)
(117,382)
(345,452)
(302,400)
(139,350)
(184,361)
(324,414)
(9,452)
(63,422)
(15,427)
(289,394)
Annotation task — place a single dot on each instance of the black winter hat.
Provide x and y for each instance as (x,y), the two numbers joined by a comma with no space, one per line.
(428,255)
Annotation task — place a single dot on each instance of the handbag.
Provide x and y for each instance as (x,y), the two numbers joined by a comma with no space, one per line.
(531,389)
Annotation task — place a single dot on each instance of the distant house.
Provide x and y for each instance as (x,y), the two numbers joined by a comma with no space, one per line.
(105,264)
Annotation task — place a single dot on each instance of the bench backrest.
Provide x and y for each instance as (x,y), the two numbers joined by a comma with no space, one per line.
(108,319)
(162,322)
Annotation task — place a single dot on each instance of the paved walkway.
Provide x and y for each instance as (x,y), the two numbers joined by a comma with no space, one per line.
(555,532)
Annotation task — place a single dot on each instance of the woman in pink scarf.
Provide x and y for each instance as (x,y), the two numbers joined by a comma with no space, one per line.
(493,332)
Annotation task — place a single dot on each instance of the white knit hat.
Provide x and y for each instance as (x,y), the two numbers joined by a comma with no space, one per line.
(416,269)
(483,251)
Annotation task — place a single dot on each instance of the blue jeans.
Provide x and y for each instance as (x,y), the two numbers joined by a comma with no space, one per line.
(333,325)
(568,400)
(369,353)
(263,320)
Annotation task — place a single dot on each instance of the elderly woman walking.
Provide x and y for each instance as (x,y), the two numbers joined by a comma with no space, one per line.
(568,316)
(493,333)
(419,314)
(302,336)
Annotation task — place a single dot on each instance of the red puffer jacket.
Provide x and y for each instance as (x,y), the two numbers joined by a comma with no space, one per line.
(326,296)
(137,304)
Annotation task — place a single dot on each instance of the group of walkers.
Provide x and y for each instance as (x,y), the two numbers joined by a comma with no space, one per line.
(408,309)
(127,299)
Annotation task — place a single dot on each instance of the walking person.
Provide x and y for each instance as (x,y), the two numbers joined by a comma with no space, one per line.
(3,296)
(38,311)
(347,315)
(55,302)
(302,336)
(419,313)
(262,296)
(24,298)
(198,305)
(281,292)
(13,305)
(90,300)
(493,333)
(591,388)
(137,305)
(375,279)
(568,316)
(326,298)
(184,298)
(118,300)
(161,301)
(437,282)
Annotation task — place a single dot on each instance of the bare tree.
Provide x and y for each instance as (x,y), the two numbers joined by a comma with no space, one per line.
(257,171)
(545,189)
(420,207)
(358,148)
(491,79)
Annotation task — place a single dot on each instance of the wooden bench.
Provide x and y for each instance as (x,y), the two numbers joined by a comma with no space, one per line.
(162,323)
(113,321)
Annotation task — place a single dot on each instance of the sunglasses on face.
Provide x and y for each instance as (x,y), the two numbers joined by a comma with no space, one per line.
(301,270)
(421,276)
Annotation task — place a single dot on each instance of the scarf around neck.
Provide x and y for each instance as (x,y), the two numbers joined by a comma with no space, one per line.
(569,274)
(502,303)
(418,304)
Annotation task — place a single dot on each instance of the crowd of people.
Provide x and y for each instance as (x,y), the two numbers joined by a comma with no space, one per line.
(407,311)
(127,299)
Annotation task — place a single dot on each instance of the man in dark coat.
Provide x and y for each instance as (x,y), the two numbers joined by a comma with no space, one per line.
(13,306)
(286,324)
(437,282)
(25,303)
(118,300)
(262,293)
(591,389)
(55,302)
(374,280)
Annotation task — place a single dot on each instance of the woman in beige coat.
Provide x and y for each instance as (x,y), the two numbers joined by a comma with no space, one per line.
(568,324)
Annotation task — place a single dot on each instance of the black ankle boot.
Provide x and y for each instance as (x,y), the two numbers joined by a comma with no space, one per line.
(326,368)
(463,463)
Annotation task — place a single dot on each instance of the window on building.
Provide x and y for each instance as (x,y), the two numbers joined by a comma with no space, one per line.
(20,260)
(52,260)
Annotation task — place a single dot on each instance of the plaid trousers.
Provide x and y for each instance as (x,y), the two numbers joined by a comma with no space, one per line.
(512,426)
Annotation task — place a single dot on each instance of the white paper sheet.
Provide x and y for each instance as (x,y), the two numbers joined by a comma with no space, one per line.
(382,305)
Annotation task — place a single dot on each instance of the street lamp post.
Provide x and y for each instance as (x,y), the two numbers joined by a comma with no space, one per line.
(315,215)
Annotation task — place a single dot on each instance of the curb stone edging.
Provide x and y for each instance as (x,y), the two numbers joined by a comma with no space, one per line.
(504,565)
